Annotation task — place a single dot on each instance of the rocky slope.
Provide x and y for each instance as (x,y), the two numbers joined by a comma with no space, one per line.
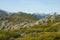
(47,28)
(16,21)
(49,19)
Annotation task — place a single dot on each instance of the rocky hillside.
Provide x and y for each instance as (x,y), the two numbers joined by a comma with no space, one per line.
(47,28)
(20,20)
(22,26)
(16,21)
(49,19)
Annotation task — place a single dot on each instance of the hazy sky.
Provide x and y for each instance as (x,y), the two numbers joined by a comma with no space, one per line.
(30,6)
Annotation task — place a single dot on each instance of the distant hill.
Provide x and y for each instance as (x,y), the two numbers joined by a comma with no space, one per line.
(3,13)
(39,16)
(22,17)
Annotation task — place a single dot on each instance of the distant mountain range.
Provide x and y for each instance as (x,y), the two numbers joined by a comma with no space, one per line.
(39,16)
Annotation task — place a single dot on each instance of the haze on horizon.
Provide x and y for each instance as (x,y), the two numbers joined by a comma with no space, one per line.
(30,6)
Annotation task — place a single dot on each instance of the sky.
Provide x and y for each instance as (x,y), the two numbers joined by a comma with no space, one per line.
(30,6)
